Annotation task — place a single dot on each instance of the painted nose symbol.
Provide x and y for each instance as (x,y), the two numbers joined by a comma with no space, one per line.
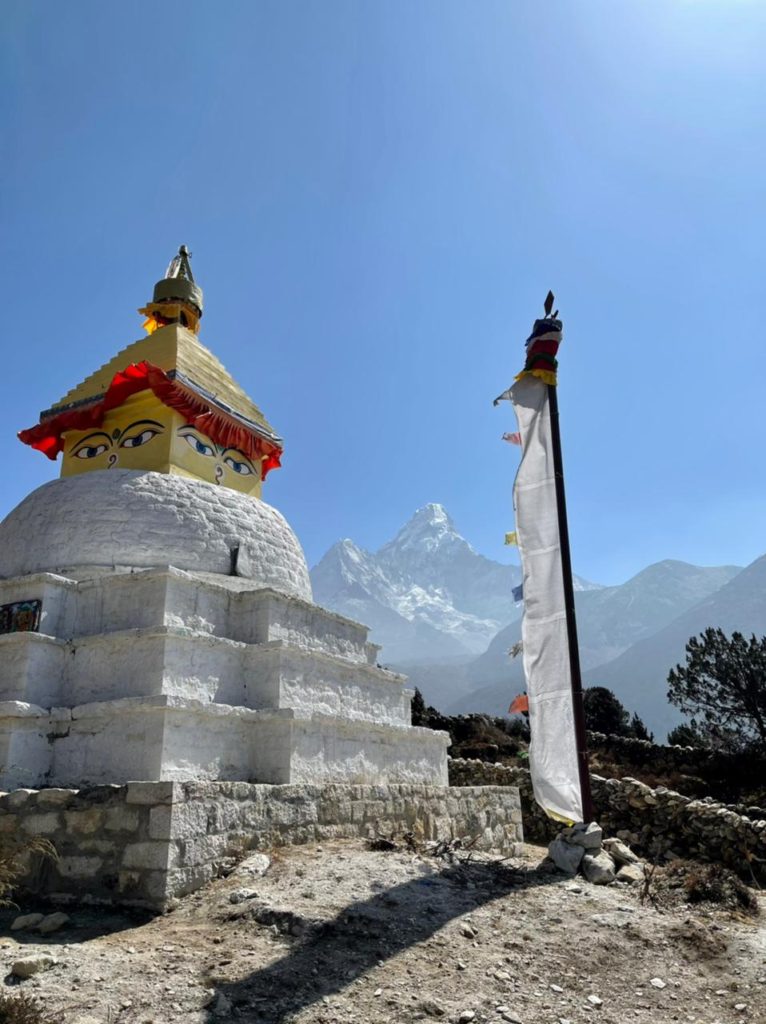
(218,473)
(112,460)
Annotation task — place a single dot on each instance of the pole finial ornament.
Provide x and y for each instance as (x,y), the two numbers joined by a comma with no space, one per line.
(543,344)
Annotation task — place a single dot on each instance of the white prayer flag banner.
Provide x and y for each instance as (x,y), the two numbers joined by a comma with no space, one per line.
(553,756)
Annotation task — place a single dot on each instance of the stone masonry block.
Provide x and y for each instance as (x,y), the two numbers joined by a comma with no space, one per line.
(160,819)
(198,818)
(121,819)
(152,792)
(79,867)
(85,822)
(204,850)
(154,888)
(92,844)
(157,856)
(186,880)
(41,824)
(186,821)
(55,797)
(223,815)
(17,799)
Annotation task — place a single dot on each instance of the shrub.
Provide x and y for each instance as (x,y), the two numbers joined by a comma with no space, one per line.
(712,883)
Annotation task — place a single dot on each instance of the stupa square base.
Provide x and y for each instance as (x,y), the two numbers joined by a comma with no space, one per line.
(177,739)
(145,843)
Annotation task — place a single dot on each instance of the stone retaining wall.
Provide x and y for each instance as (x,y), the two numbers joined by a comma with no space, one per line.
(656,822)
(655,757)
(716,767)
(145,843)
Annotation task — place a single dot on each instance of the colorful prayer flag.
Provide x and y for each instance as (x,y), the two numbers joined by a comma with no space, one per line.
(519,705)
(518,592)
(512,438)
(511,538)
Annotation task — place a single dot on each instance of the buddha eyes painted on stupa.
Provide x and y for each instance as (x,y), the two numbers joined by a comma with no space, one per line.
(232,458)
(144,434)
(135,435)
(244,466)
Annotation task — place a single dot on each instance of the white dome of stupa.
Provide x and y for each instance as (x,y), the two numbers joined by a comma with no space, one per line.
(138,519)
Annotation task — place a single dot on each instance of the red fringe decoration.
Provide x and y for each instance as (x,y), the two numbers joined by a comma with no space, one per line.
(218,425)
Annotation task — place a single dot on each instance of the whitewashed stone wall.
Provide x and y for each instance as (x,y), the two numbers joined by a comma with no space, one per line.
(145,843)
(177,738)
(94,700)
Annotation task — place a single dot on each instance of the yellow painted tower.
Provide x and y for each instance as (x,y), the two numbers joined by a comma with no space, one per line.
(164,403)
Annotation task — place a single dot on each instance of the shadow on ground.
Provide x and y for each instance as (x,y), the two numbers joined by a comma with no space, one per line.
(328,956)
(87,922)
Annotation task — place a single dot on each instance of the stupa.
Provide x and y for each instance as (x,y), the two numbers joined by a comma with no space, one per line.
(170,695)
(158,615)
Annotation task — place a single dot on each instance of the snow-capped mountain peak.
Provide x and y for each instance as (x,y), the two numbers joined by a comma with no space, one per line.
(429,529)
(426,592)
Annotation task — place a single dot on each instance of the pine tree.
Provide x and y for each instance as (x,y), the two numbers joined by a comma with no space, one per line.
(723,686)
(418,709)
(604,712)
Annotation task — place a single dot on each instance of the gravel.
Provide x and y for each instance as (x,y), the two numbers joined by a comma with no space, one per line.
(346,935)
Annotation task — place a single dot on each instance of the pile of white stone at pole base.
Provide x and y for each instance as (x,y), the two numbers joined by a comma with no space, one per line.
(582,848)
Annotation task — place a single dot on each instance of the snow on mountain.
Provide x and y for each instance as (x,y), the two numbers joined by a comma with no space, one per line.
(426,594)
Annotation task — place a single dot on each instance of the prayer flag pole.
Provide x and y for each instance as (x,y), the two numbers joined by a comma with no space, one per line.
(578,707)
(558,755)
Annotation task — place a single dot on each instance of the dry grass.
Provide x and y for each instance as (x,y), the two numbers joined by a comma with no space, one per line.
(16,855)
(24,1009)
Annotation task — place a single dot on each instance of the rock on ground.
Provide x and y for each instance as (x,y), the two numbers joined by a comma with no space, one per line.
(566,858)
(32,965)
(598,868)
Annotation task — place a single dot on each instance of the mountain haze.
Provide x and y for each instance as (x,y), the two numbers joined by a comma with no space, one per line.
(609,622)
(639,675)
(610,619)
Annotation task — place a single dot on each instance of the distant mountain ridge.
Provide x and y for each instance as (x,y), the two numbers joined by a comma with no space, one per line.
(611,622)
(639,674)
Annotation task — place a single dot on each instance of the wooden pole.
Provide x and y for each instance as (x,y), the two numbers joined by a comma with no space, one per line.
(574,650)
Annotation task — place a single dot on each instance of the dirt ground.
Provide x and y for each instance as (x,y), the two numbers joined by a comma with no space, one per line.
(339,933)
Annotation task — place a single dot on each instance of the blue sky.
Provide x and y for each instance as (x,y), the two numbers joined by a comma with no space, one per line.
(378,196)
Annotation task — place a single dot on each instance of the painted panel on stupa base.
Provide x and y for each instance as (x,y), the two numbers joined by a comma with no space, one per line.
(20,616)
(143,433)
